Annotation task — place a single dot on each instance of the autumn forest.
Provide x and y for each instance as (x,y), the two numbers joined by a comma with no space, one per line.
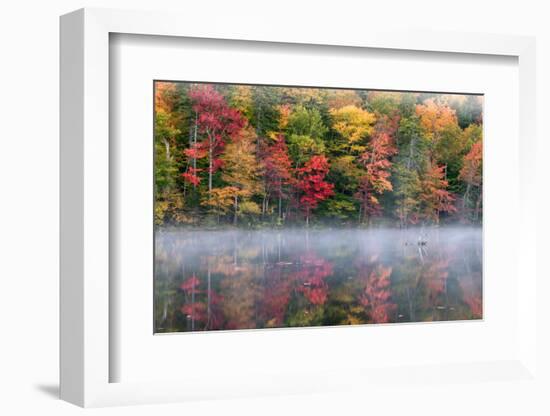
(291,207)
(262,156)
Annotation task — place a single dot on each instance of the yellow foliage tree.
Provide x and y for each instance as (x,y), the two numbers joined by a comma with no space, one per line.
(355,125)
(220,200)
(242,170)
(435,117)
(242,100)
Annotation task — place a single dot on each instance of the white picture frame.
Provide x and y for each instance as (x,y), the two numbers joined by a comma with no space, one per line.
(85,220)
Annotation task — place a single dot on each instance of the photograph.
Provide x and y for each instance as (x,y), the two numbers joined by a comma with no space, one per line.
(270,208)
(296,206)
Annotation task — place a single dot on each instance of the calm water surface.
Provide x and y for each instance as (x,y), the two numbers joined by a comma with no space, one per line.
(211,280)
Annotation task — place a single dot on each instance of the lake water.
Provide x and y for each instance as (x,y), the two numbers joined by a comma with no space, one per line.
(221,280)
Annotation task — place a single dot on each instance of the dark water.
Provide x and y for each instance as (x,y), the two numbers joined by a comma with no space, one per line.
(213,280)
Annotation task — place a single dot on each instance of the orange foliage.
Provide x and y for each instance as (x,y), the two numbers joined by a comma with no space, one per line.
(377,294)
(472,296)
(165,96)
(434,117)
(434,195)
(471,169)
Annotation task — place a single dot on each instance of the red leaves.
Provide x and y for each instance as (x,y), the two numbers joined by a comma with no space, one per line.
(376,180)
(196,309)
(192,179)
(215,117)
(217,164)
(311,183)
(201,305)
(196,152)
(471,168)
(316,295)
(191,176)
(190,284)
(377,295)
(275,296)
(436,276)
(434,196)
(310,278)
(472,295)
(277,167)
(217,121)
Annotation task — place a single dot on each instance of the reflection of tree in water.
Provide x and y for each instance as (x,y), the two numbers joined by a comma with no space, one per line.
(274,296)
(260,280)
(239,293)
(201,306)
(435,276)
(377,296)
(438,283)
(471,289)
(421,283)
(310,276)
(309,290)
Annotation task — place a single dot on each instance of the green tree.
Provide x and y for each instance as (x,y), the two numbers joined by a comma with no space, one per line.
(169,201)
(471,174)
(265,111)
(411,162)
(305,131)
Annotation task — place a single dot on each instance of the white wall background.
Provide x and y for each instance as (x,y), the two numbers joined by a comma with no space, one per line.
(29,204)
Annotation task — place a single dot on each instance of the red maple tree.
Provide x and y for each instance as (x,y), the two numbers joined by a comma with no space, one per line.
(217,122)
(277,168)
(375,182)
(311,184)
(311,278)
(201,306)
(377,295)
(276,293)
(434,197)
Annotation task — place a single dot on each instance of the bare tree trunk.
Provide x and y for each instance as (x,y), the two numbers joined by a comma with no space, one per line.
(235,206)
(466,196)
(193,308)
(411,146)
(263,205)
(280,206)
(210,170)
(365,209)
(167,147)
(195,144)
(478,204)
(465,200)
(403,219)
(209,297)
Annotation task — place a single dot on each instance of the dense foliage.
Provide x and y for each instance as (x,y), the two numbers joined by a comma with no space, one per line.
(272,156)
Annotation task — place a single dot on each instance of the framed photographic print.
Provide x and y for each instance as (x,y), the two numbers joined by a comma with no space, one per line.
(282,213)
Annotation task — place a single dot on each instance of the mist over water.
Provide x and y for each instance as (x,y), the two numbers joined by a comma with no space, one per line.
(238,279)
